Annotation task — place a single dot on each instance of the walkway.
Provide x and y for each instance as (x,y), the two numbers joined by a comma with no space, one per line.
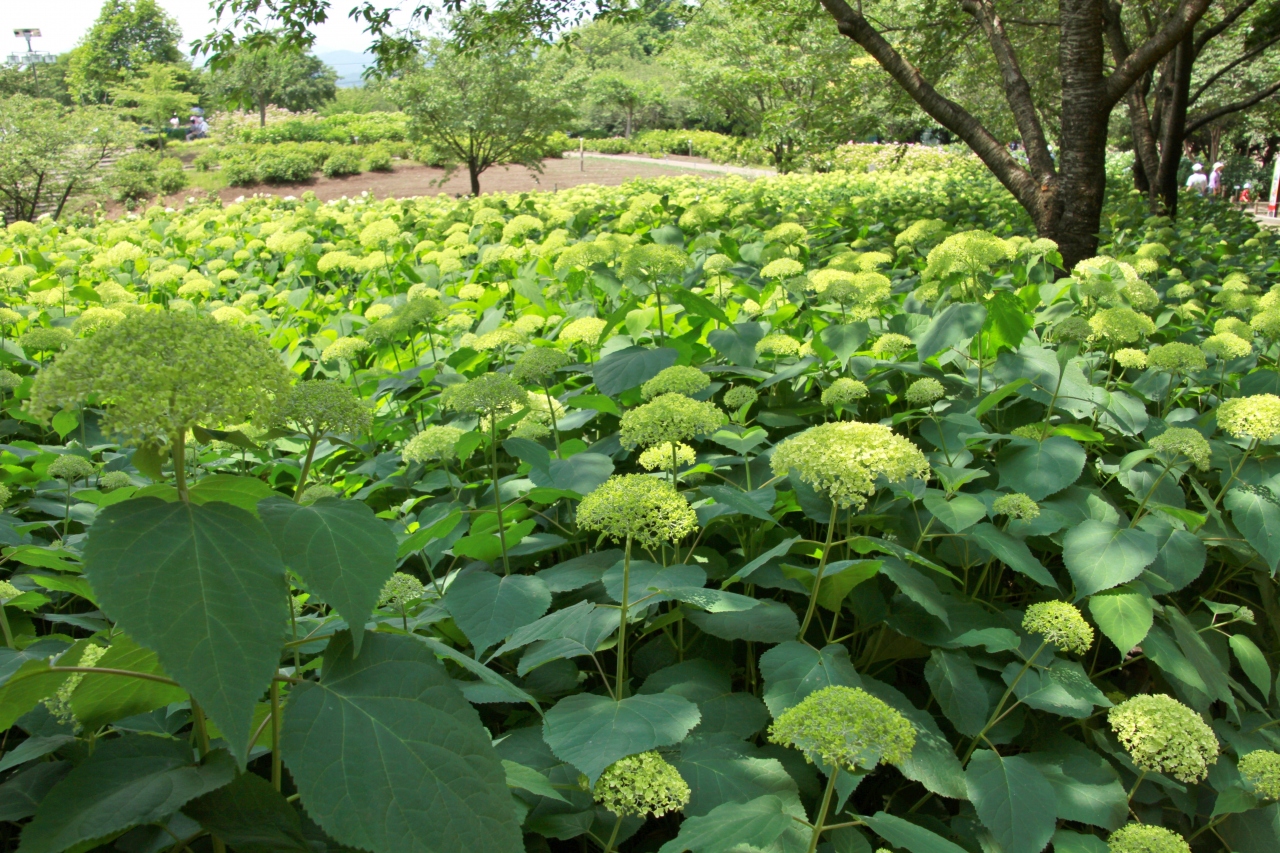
(697,163)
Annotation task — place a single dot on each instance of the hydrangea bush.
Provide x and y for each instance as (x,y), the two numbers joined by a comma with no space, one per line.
(809,513)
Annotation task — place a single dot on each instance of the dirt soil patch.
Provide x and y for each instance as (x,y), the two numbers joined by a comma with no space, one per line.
(412,179)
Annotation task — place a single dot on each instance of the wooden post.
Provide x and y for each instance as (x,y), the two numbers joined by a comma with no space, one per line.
(582,159)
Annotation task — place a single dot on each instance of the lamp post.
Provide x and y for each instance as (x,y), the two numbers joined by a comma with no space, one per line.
(32,58)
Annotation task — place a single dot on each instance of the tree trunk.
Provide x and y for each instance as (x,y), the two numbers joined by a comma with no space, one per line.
(1175,122)
(262,111)
(473,169)
(629,111)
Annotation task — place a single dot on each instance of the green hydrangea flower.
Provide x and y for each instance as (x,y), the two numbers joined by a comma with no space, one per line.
(778,344)
(654,260)
(669,417)
(59,704)
(1131,359)
(490,394)
(319,491)
(1176,358)
(677,379)
(499,339)
(400,589)
(70,467)
(8,591)
(843,460)
(1071,330)
(1059,623)
(925,392)
(782,268)
(1164,736)
(344,349)
(5,495)
(323,406)
(1261,771)
(659,456)
(639,785)
(159,374)
(646,510)
(1233,326)
(1257,416)
(740,396)
(1120,325)
(1227,346)
(891,345)
(112,480)
(9,379)
(584,330)
(1267,324)
(434,442)
(1143,838)
(844,392)
(538,365)
(40,339)
(845,727)
(93,319)
(1185,441)
(1016,505)
(969,252)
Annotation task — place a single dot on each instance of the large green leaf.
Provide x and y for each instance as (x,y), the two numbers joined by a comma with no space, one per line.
(844,339)
(580,473)
(488,608)
(793,670)
(959,513)
(933,762)
(204,588)
(1013,799)
(723,769)
(1256,513)
(1124,615)
(1101,555)
(1014,553)
(1040,468)
(21,691)
(954,681)
(1007,322)
(768,622)
(591,732)
(250,816)
(627,368)
(244,492)
(341,550)
(956,323)
(101,699)
(1254,831)
(753,825)
(1253,662)
(389,757)
(125,782)
(902,833)
(1087,787)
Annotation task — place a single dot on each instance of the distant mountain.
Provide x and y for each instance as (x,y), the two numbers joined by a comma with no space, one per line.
(348,63)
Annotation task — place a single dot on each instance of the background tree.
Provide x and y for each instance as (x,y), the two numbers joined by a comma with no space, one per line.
(50,154)
(482,107)
(50,82)
(127,35)
(153,95)
(257,77)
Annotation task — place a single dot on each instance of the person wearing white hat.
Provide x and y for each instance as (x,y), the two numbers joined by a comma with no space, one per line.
(1215,179)
(1197,181)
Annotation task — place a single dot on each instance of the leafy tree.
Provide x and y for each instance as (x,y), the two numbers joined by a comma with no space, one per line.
(50,154)
(481,108)
(153,96)
(50,82)
(127,35)
(621,92)
(273,74)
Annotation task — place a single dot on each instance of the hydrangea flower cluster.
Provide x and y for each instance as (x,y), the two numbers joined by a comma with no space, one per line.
(1016,505)
(112,480)
(1164,736)
(739,396)
(845,727)
(434,442)
(322,406)
(70,467)
(677,379)
(584,330)
(669,417)
(843,460)
(778,344)
(1145,838)
(925,392)
(891,345)
(400,589)
(1120,325)
(639,785)
(344,349)
(1130,359)
(1260,770)
(1060,624)
(639,508)
(660,456)
(538,365)
(319,491)
(59,704)
(489,394)
(1184,441)
(1176,358)
(844,392)
(1227,346)
(1255,417)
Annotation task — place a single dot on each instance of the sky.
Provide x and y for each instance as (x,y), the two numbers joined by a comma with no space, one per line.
(63,22)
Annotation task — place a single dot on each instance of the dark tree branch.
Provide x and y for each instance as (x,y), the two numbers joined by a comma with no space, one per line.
(1146,55)
(1213,115)
(1211,33)
(1235,63)
(946,112)
(1016,88)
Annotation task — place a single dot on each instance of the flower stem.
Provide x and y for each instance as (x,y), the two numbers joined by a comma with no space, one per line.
(180,464)
(996,714)
(613,836)
(306,468)
(276,772)
(822,567)
(621,675)
(822,809)
(497,493)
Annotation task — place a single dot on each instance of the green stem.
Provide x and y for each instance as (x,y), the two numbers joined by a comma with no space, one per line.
(497,493)
(1243,459)
(822,567)
(4,624)
(179,453)
(621,675)
(613,836)
(276,772)
(822,809)
(306,468)
(996,714)
(555,427)
(1138,512)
